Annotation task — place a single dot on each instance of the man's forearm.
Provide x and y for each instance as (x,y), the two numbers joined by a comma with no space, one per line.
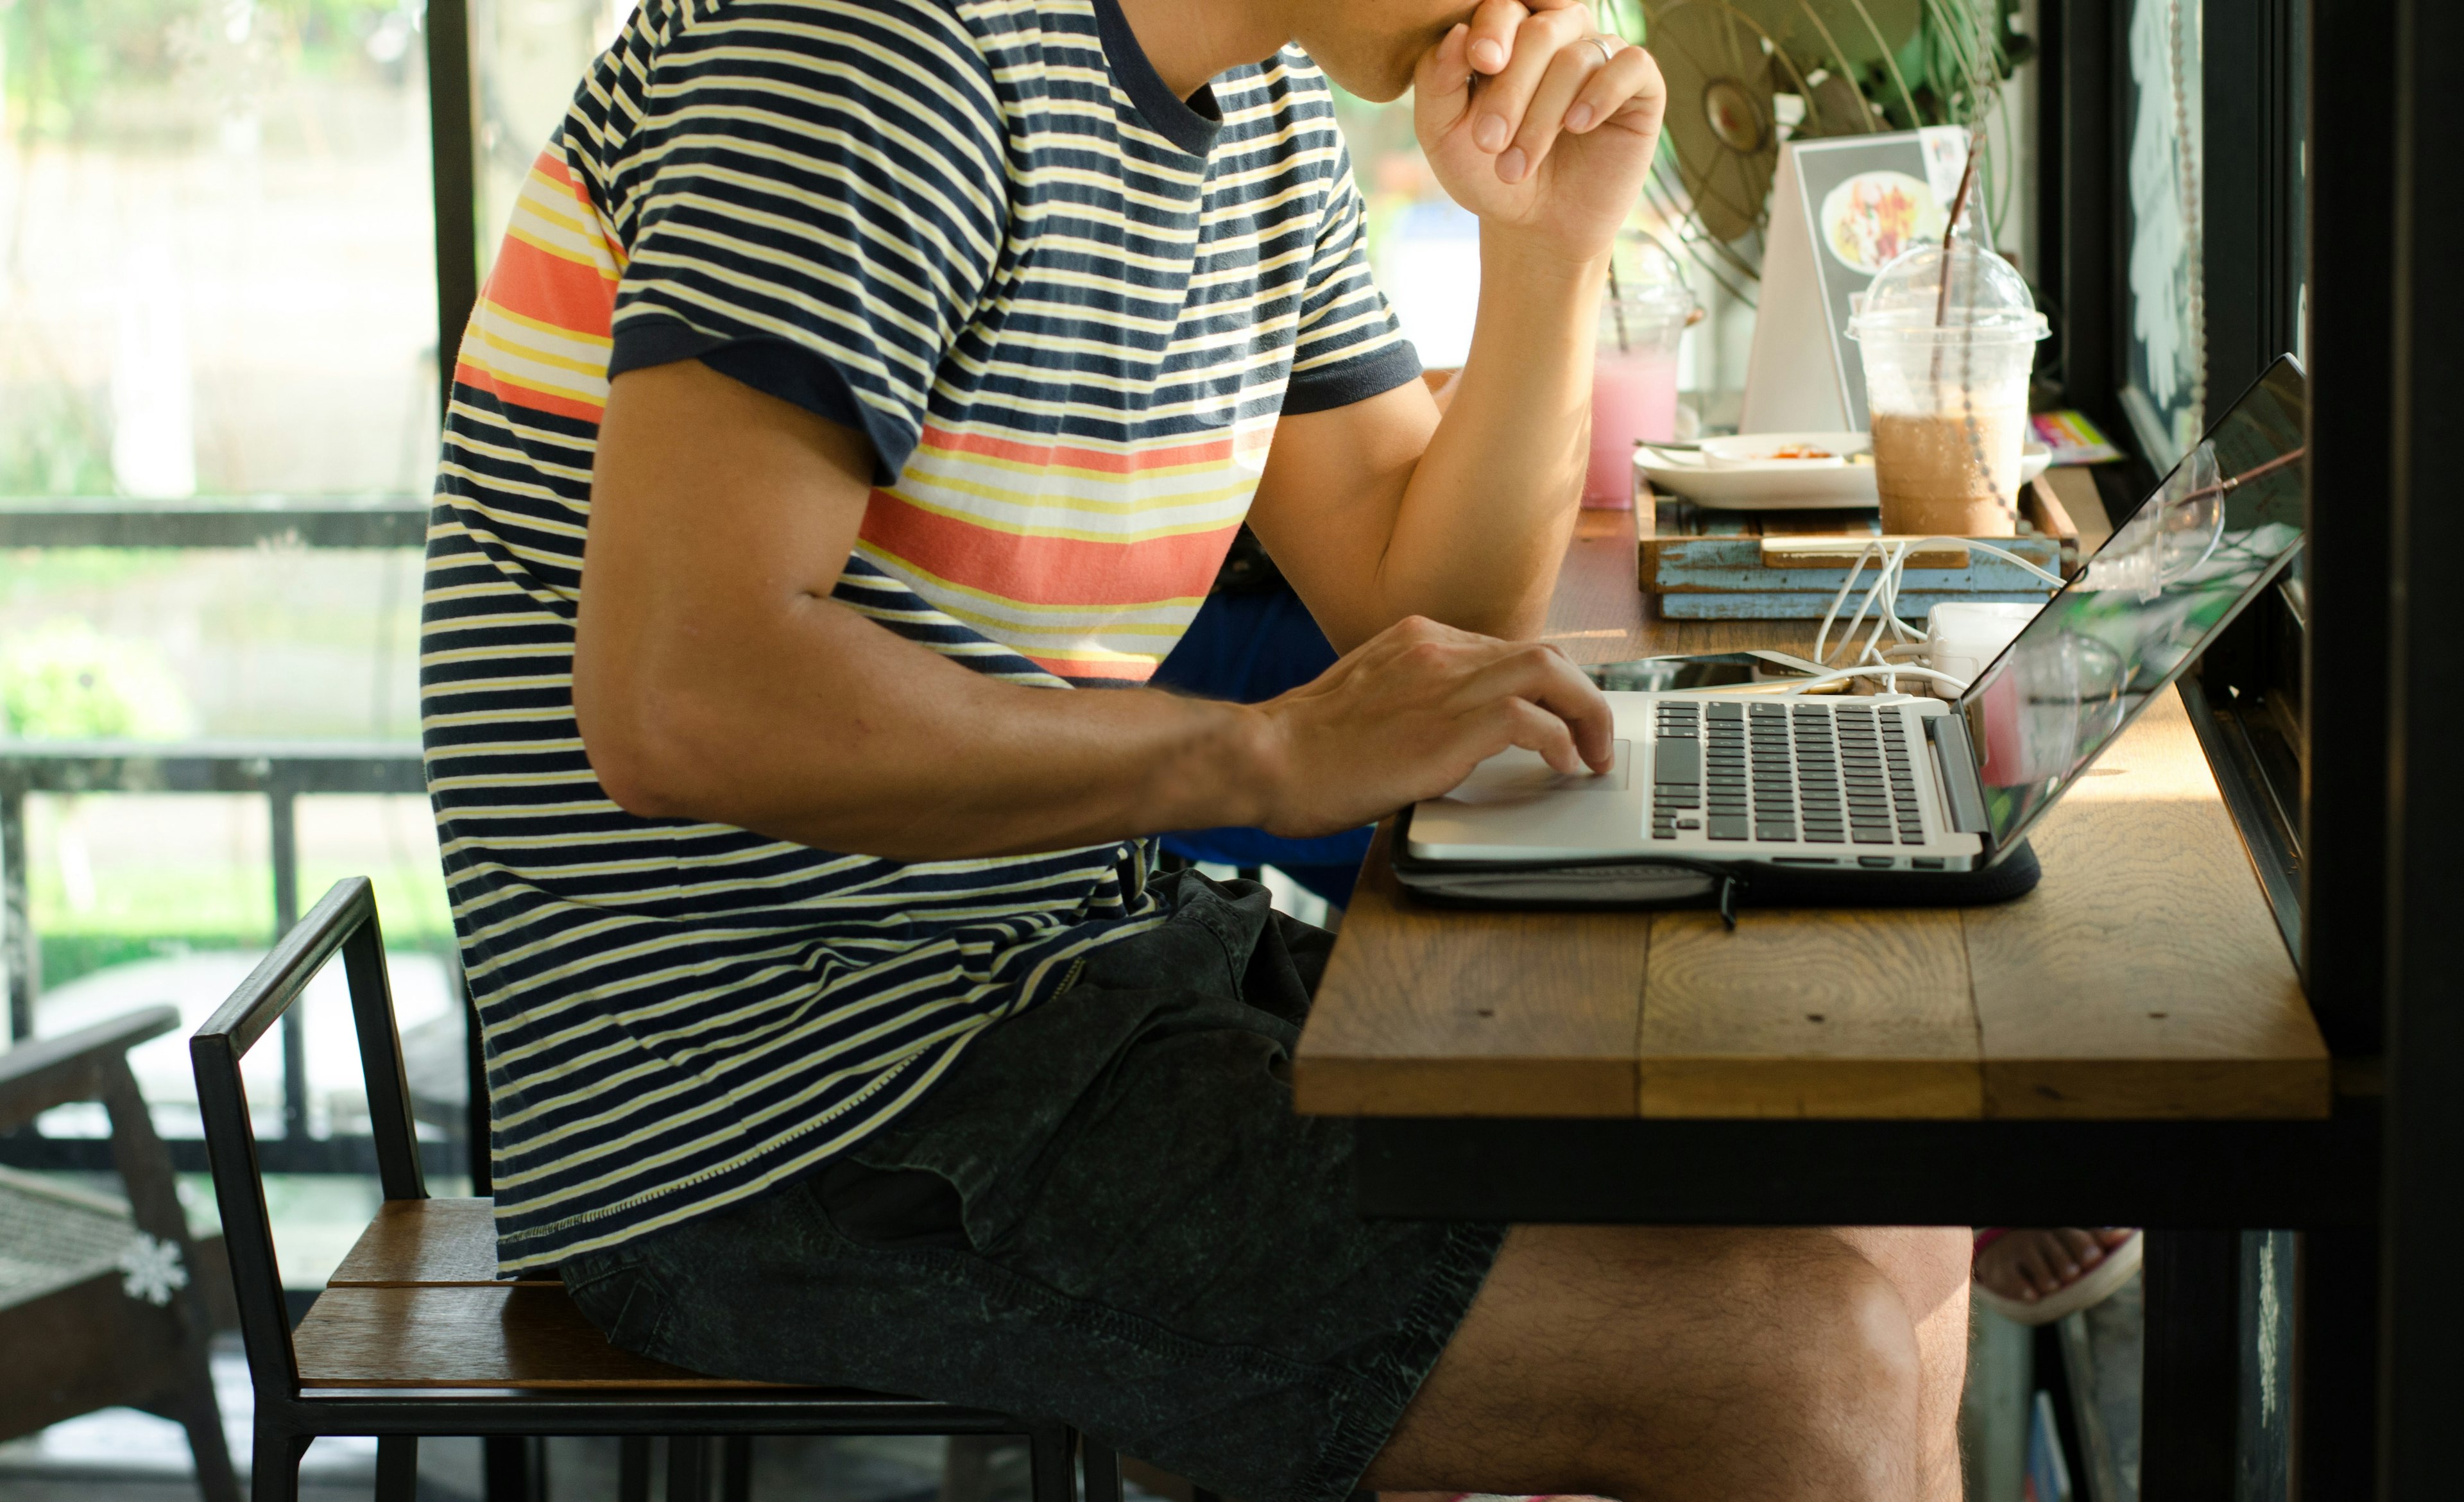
(1485,515)
(818,726)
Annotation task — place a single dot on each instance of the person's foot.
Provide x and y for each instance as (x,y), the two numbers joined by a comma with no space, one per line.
(2035,1275)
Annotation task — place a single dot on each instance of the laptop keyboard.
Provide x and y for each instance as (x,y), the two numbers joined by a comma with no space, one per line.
(1828,774)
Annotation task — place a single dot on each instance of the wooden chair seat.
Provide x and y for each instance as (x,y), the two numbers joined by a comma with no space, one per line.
(523,1335)
(417,1303)
(428,1243)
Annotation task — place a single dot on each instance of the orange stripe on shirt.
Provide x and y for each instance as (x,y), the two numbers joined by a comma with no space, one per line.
(1044,570)
(1216,449)
(557,291)
(513,393)
(547,289)
(1112,669)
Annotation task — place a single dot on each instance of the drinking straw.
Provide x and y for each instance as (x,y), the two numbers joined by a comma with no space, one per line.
(1617,305)
(1949,235)
(1949,231)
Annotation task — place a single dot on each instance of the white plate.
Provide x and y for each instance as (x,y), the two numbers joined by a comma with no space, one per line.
(1728,474)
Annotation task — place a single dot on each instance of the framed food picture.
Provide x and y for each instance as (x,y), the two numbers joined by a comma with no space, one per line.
(1840,209)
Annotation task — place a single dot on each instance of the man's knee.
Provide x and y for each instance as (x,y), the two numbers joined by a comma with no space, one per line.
(1927,1264)
(1847,1387)
(1868,1339)
(1816,1395)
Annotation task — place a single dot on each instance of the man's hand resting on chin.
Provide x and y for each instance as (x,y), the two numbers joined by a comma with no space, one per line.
(1539,124)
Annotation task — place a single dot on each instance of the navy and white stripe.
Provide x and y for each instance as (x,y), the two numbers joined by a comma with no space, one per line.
(1067,308)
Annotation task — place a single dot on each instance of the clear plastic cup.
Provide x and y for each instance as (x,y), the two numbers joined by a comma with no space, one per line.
(1947,389)
(1634,374)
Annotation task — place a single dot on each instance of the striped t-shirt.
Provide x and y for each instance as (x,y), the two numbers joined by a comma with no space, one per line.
(1067,308)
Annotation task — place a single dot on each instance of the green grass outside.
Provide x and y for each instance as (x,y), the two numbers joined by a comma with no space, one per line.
(177,909)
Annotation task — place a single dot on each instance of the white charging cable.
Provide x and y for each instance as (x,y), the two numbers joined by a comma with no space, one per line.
(1882,599)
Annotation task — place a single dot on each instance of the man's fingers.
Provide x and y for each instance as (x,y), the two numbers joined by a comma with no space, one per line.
(1490,46)
(1500,101)
(1543,677)
(1629,83)
(1441,84)
(1526,724)
(1559,85)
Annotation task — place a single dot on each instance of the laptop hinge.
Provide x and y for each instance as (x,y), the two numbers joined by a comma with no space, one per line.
(1955,757)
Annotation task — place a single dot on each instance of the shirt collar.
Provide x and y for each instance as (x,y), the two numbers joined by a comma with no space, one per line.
(1192,124)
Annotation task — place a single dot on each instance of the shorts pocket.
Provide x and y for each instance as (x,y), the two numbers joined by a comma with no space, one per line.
(620,1296)
(892,1210)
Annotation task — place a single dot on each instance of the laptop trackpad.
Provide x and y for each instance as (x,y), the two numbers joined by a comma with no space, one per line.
(1513,807)
(1516,776)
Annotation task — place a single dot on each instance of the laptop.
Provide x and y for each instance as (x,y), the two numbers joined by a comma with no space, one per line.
(1854,788)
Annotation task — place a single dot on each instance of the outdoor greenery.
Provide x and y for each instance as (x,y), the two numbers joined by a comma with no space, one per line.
(66,681)
(99,643)
(79,69)
(189,907)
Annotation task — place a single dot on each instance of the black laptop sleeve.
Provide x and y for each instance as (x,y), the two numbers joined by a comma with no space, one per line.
(1645,882)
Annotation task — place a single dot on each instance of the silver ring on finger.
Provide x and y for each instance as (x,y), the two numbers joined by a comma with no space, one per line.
(1608,49)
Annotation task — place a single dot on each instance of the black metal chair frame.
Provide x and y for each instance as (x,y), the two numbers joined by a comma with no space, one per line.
(288,1418)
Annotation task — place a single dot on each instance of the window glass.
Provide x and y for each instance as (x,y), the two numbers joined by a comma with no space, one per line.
(527,56)
(1424,251)
(2164,392)
(216,279)
(214,230)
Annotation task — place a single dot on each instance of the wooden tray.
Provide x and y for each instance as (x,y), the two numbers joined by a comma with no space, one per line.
(1715,565)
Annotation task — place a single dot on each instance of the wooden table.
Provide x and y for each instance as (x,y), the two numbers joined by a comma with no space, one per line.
(2123,1047)
(2143,978)
(2127,1045)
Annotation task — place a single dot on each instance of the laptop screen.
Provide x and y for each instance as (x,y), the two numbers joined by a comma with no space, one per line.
(2161,587)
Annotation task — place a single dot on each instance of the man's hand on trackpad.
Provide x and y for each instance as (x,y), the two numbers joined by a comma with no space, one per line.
(1408,713)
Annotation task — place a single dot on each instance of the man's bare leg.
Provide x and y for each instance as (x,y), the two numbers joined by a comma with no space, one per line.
(1929,1266)
(1646,1364)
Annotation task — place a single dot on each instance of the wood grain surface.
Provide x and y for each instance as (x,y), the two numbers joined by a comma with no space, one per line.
(1596,615)
(1817,1013)
(425,1242)
(1472,1013)
(2143,979)
(2074,490)
(526,1335)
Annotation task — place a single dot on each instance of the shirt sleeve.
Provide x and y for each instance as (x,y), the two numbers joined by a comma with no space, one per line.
(1349,347)
(820,205)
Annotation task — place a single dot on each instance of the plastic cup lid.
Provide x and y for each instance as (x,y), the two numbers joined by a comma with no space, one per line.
(1671,297)
(1647,277)
(1987,296)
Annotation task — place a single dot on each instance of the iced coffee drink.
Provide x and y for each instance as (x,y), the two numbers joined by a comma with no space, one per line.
(1949,473)
(1947,389)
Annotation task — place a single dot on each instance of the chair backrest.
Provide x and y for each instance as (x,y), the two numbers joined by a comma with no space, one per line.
(85,1064)
(345,919)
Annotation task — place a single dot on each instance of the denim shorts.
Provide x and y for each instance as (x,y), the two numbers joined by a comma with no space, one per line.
(1106,1214)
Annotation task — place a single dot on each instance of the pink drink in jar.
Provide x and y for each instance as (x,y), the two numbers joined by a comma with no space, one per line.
(1633,396)
(1633,378)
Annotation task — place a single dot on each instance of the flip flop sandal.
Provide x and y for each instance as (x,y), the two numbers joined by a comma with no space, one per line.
(2091,1288)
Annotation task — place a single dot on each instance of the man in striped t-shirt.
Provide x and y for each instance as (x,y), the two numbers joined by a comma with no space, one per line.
(861,403)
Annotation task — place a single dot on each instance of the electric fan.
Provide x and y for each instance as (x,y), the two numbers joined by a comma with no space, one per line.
(1744,74)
